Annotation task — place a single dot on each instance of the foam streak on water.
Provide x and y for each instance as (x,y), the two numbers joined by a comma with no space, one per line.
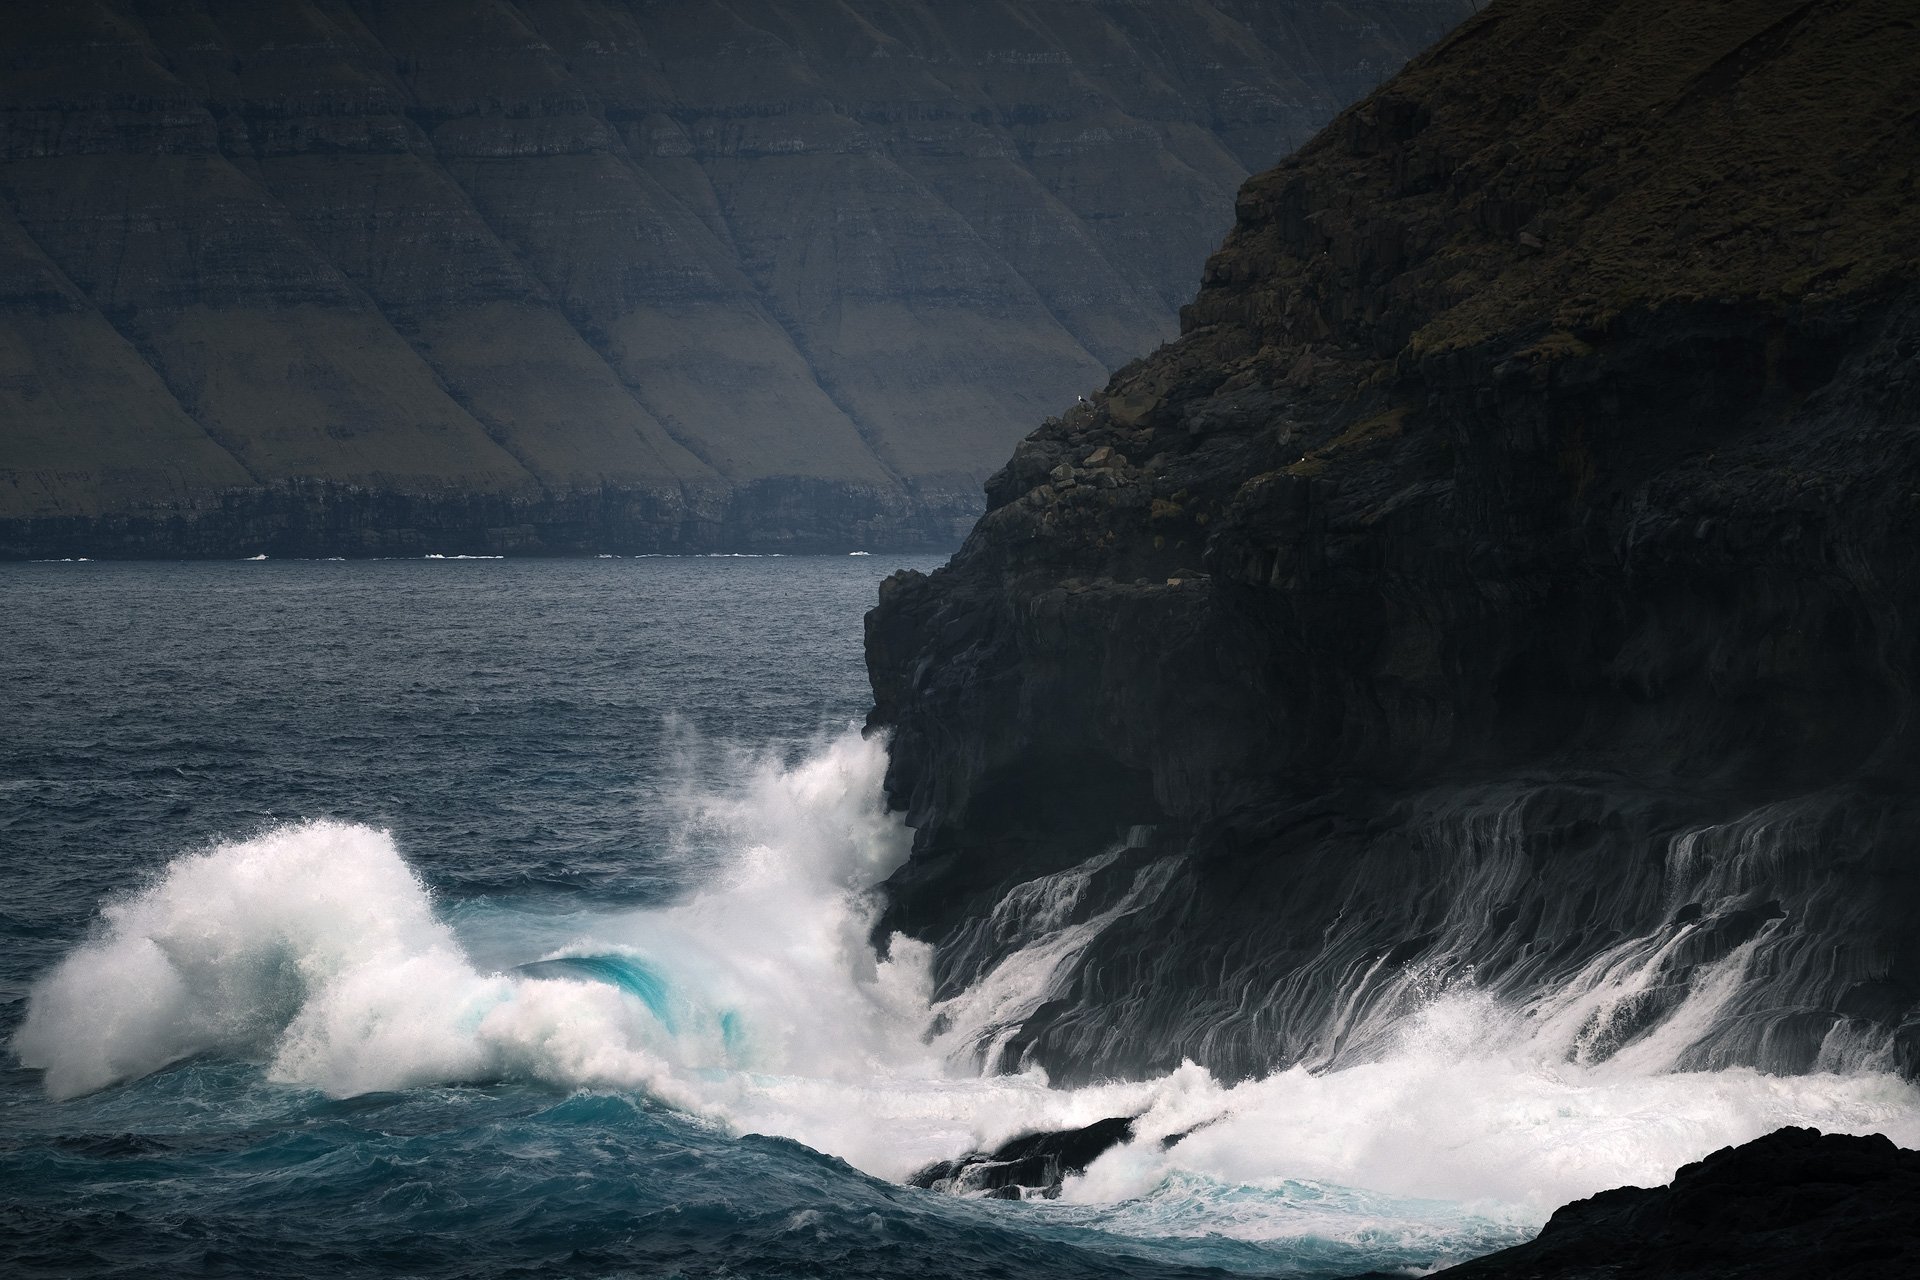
(758,1004)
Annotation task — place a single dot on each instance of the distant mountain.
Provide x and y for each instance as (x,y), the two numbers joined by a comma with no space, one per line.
(343,276)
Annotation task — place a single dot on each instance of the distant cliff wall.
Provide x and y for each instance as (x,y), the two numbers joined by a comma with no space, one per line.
(346,276)
(1508,579)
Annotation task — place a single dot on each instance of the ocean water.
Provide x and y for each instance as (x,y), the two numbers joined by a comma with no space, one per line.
(510,918)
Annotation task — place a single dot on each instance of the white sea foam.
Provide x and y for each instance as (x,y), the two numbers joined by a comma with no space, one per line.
(759,1004)
(314,948)
(1444,1118)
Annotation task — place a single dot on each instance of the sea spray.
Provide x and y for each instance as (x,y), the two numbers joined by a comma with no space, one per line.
(1459,1113)
(777,940)
(316,949)
(757,1003)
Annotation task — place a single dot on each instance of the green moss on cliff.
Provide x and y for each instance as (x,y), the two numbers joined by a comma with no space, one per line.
(1553,167)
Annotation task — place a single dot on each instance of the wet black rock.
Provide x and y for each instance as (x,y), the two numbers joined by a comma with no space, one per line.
(1794,1204)
(1447,606)
(1030,1166)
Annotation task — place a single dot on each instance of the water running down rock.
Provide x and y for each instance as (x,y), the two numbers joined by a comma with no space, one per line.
(1489,627)
(1449,611)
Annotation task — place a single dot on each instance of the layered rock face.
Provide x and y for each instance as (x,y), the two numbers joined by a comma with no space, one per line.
(1507,578)
(339,277)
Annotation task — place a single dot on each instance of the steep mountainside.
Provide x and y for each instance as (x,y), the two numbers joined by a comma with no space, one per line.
(1509,577)
(336,276)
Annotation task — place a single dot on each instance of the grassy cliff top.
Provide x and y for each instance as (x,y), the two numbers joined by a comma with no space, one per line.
(1556,164)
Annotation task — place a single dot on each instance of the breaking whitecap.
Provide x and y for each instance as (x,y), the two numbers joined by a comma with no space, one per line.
(758,1004)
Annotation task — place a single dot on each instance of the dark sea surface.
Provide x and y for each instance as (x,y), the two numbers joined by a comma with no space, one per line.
(521,728)
(489,918)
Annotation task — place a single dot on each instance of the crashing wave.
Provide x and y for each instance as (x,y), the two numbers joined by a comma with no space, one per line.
(759,1004)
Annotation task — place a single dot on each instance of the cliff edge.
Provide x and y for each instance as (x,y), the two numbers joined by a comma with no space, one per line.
(1507,578)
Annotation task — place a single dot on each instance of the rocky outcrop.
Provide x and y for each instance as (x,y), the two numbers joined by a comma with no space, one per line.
(1510,567)
(1032,1166)
(549,275)
(1792,1204)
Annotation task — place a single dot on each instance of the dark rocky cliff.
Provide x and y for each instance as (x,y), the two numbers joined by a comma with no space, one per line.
(1512,565)
(341,276)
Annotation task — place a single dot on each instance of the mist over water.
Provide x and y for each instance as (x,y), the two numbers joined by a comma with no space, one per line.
(325,962)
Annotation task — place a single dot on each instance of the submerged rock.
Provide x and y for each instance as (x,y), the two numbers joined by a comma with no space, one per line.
(1027,1167)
